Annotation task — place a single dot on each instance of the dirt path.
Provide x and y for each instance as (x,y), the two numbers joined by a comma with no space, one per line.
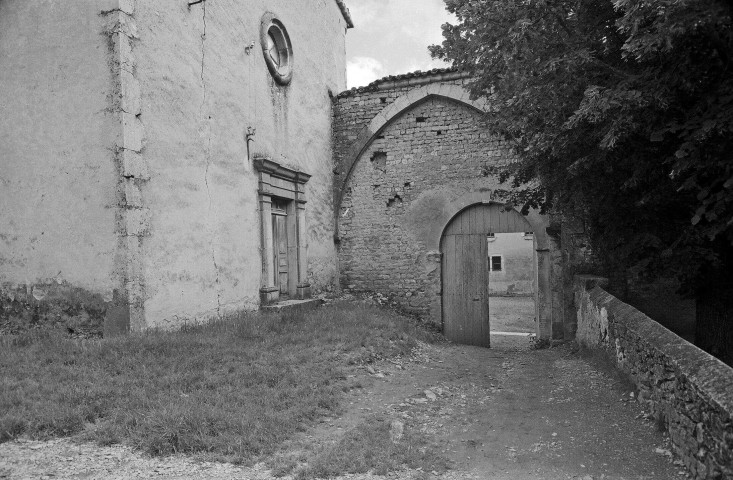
(511,412)
(508,412)
(512,314)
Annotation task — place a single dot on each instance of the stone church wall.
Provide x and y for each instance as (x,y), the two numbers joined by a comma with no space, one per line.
(58,173)
(202,86)
(127,193)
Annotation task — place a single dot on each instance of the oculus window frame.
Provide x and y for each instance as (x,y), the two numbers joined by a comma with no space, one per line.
(276,48)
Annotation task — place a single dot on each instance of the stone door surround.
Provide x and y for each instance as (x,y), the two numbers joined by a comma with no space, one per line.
(276,180)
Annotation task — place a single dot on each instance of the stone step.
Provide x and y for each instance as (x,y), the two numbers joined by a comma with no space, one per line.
(293,305)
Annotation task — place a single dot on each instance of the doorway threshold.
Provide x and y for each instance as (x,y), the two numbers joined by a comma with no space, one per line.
(293,305)
(513,334)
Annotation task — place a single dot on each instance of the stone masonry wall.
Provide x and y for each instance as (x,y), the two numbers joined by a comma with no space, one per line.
(354,109)
(689,391)
(431,154)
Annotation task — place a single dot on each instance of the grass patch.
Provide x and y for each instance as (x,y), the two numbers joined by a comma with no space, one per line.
(232,390)
(370,447)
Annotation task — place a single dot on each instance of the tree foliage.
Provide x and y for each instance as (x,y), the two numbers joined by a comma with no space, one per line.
(621,113)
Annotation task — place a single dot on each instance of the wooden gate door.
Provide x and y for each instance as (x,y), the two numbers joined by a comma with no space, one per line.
(465,281)
(466,270)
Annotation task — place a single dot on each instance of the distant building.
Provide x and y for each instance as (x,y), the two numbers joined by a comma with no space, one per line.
(511,263)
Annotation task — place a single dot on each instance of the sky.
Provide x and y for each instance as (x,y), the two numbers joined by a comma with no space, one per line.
(391,37)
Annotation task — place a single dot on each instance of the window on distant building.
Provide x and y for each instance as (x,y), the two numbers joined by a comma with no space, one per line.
(495,263)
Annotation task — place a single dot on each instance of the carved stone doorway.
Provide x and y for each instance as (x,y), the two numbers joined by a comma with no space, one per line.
(283,229)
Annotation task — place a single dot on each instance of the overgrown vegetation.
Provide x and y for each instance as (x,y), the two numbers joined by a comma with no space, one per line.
(621,112)
(232,390)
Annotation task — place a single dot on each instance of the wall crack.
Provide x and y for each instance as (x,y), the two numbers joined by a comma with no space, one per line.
(207,120)
(211,228)
(203,49)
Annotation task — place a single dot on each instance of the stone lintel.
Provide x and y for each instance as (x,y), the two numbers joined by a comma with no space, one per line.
(267,166)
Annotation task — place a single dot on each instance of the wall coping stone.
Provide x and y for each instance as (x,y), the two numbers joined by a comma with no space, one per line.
(410,79)
(713,377)
(689,389)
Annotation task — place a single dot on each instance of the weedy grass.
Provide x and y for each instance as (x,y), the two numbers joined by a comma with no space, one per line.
(231,390)
(368,447)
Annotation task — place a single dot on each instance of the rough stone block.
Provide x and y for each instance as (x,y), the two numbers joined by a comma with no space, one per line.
(107,5)
(123,51)
(127,26)
(117,319)
(127,6)
(269,295)
(303,291)
(131,136)
(136,222)
(130,92)
(133,196)
(137,317)
(133,165)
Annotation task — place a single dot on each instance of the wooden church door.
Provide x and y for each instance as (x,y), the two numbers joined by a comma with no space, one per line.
(280,247)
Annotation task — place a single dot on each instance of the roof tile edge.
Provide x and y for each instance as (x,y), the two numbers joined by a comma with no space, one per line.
(412,78)
(345,13)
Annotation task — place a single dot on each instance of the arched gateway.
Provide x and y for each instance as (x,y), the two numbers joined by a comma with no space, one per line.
(415,197)
(466,272)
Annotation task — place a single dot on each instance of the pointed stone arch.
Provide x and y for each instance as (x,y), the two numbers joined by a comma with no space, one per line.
(397,250)
(380,121)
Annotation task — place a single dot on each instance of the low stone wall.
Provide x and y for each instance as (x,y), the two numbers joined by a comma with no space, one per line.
(688,390)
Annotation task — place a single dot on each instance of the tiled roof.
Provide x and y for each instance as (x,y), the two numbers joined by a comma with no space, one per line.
(345,13)
(405,77)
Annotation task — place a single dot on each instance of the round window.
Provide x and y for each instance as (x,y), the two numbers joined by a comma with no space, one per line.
(277,49)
